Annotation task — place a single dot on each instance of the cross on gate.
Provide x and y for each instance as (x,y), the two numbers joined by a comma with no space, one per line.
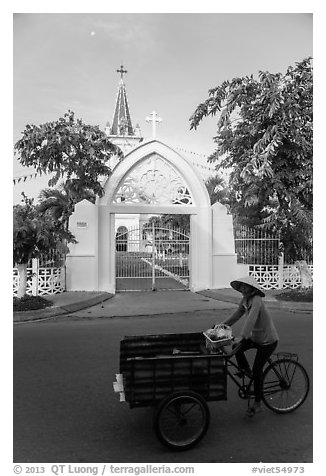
(153,118)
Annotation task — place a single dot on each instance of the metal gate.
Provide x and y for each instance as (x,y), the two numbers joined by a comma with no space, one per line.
(255,246)
(152,258)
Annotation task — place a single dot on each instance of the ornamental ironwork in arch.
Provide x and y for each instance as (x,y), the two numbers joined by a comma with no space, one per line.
(153,182)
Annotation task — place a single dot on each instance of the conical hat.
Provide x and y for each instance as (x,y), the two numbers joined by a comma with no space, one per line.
(250,280)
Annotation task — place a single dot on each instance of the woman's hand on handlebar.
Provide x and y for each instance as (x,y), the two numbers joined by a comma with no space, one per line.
(237,340)
(236,346)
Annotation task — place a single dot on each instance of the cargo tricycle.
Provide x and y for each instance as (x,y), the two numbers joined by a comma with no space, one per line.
(178,374)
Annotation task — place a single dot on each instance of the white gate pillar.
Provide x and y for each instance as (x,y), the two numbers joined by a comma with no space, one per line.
(224,258)
(106,265)
(82,260)
(201,250)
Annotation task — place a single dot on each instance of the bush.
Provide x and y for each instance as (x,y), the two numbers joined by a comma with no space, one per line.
(299,295)
(31,303)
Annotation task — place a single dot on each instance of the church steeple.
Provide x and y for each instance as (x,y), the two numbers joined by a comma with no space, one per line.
(122,131)
(122,125)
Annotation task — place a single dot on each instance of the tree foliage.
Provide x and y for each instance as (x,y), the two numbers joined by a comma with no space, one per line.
(171,221)
(264,135)
(35,232)
(60,202)
(68,148)
(217,190)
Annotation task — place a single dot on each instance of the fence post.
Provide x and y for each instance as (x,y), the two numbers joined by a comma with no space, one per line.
(280,270)
(35,266)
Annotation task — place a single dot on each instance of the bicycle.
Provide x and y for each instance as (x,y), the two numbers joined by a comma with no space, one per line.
(285,381)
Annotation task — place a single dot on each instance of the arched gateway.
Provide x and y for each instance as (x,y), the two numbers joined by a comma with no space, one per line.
(151,179)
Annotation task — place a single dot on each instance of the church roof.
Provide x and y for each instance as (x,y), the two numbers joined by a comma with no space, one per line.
(122,125)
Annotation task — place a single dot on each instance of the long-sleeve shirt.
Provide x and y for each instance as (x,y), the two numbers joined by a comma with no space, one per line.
(258,325)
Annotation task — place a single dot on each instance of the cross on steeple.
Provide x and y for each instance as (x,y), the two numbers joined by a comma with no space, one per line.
(153,118)
(122,71)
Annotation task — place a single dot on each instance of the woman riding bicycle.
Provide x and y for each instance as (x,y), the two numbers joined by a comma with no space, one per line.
(258,333)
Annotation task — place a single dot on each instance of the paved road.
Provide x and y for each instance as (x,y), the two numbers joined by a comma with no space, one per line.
(65,409)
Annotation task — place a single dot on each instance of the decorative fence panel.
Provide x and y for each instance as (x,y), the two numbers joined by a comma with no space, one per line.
(277,277)
(46,275)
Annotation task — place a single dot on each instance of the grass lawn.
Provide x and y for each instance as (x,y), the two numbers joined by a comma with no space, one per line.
(30,303)
(298,295)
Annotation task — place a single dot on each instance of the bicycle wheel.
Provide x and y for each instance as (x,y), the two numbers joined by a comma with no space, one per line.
(285,385)
(181,420)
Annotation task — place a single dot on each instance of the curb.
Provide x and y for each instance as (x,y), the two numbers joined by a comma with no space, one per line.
(27,316)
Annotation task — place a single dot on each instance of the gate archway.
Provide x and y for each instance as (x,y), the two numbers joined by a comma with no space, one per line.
(154,179)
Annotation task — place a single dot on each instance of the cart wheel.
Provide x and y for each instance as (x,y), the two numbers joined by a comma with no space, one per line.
(181,420)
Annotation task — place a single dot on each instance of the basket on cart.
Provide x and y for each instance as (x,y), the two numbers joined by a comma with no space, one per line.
(219,336)
(214,345)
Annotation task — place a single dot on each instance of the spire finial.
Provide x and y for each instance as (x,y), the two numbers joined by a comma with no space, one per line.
(122,71)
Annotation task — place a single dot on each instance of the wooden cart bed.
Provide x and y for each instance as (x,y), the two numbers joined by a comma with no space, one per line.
(154,366)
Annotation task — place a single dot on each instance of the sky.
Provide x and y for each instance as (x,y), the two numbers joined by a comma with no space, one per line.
(67,61)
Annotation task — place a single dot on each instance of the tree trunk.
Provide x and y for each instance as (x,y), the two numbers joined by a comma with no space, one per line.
(22,279)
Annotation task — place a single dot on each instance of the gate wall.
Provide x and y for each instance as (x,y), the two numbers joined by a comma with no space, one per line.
(82,261)
(224,258)
(176,177)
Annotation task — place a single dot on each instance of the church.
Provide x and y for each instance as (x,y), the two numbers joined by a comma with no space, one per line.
(118,248)
(124,134)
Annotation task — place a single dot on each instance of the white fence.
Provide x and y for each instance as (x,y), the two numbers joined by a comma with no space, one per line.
(42,281)
(49,277)
(278,276)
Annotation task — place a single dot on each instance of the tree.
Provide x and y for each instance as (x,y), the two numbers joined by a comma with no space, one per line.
(171,221)
(264,134)
(55,203)
(34,233)
(59,202)
(68,148)
(217,190)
